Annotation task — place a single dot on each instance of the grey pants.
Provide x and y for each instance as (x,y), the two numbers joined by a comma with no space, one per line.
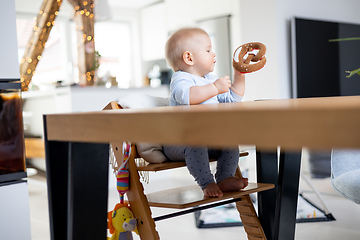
(197,162)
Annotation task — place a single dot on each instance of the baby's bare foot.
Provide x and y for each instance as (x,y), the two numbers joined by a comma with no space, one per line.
(233,184)
(212,190)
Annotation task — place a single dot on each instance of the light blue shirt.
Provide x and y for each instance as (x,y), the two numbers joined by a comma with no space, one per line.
(180,89)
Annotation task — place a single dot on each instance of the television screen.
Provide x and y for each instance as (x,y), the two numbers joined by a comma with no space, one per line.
(320,61)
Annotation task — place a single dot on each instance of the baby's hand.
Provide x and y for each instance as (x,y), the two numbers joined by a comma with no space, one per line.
(223,84)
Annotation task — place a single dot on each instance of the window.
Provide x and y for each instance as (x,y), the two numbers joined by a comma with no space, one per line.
(52,67)
(113,42)
(59,60)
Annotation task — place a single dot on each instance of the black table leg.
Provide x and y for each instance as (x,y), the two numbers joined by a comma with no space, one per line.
(57,177)
(288,190)
(267,172)
(88,191)
(277,207)
(77,178)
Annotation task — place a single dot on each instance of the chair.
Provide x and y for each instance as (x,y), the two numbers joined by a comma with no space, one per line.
(187,199)
(345,170)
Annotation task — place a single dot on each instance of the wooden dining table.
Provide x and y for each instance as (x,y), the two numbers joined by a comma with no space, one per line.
(77,152)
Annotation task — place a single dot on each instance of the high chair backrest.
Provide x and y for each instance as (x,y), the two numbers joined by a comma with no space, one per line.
(151,152)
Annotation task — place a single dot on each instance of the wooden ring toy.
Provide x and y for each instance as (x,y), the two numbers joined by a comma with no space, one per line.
(249,57)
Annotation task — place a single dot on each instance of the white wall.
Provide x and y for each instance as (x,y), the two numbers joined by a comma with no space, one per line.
(258,24)
(268,21)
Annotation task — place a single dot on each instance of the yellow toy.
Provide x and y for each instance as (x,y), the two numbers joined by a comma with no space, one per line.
(121,222)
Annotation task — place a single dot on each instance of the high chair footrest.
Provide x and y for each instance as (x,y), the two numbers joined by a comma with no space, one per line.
(192,196)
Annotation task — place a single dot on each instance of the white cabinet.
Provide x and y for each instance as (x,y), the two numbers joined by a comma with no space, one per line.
(37,103)
(153,32)
(15,211)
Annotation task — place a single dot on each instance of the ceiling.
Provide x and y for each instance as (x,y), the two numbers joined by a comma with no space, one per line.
(134,4)
(34,5)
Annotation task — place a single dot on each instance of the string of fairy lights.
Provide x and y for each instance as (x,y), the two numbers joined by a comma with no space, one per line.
(87,13)
(86,10)
(41,31)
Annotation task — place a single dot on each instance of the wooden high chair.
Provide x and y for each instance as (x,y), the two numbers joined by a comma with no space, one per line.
(190,198)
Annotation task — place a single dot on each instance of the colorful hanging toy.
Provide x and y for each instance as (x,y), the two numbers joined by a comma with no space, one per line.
(122,176)
(121,220)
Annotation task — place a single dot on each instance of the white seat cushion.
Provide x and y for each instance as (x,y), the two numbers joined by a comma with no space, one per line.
(150,152)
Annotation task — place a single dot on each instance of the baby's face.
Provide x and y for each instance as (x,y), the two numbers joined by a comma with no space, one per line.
(204,57)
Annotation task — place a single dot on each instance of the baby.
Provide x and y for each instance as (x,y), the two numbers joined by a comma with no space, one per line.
(189,53)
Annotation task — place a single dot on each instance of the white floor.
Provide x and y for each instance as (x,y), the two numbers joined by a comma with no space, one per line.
(346,226)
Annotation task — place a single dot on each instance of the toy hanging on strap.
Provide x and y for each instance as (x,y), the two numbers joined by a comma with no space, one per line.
(121,222)
(122,176)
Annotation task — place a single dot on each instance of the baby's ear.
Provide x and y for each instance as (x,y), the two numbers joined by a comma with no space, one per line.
(188,58)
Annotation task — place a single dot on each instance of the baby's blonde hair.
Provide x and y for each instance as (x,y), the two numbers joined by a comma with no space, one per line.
(178,43)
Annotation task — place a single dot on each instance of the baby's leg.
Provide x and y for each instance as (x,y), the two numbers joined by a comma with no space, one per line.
(226,167)
(197,162)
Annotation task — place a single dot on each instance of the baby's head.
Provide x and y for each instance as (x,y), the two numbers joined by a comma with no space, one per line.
(181,41)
